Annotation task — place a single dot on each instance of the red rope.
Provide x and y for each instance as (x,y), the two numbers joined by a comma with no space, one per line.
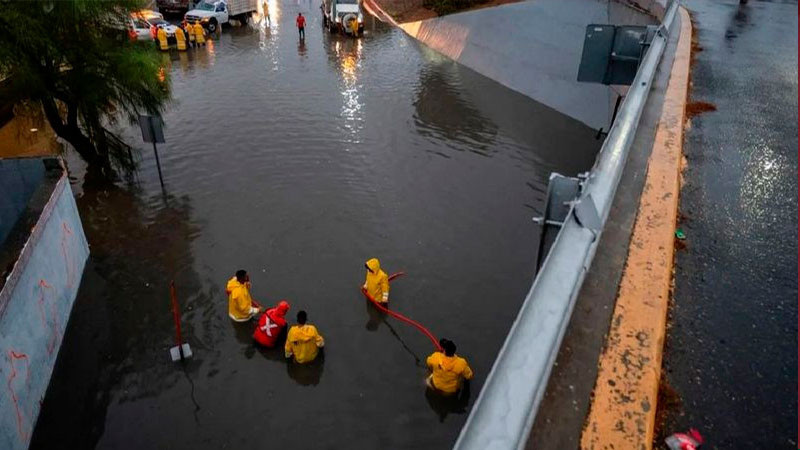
(400,316)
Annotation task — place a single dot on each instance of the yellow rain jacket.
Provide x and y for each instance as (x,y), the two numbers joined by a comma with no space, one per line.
(448,372)
(162,39)
(180,38)
(377,283)
(240,304)
(304,342)
(199,33)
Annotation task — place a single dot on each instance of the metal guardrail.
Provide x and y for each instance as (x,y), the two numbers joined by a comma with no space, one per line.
(504,412)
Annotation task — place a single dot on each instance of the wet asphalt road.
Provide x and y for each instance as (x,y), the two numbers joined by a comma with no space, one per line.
(298,161)
(731,351)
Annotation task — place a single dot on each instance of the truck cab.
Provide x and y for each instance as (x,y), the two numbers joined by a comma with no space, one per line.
(210,14)
(343,16)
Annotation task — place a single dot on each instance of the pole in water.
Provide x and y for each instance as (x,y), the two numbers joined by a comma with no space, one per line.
(181,350)
(158,164)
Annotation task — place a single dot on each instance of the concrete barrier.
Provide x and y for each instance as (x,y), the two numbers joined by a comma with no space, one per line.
(534,48)
(35,304)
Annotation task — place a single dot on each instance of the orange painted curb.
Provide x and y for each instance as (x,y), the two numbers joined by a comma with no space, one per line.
(622,414)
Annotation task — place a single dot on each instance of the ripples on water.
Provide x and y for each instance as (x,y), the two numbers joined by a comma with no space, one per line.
(298,161)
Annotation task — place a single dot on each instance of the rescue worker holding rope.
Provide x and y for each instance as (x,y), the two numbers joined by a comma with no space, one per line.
(303,341)
(377,282)
(271,324)
(448,371)
(241,306)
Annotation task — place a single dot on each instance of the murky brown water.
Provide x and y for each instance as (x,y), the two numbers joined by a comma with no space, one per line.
(298,161)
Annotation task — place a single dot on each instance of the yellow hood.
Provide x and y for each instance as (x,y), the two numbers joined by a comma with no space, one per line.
(377,283)
(233,284)
(374,265)
(305,333)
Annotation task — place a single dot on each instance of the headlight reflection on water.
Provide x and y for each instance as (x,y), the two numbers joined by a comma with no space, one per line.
(348,53)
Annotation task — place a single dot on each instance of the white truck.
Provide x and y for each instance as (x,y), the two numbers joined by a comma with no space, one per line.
(212,14)
(343,16)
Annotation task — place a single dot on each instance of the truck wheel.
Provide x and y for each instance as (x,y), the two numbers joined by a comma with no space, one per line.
(212,26)
(243,19)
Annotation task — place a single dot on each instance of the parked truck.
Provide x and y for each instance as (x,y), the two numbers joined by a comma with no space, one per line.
(343,16)
(212,14)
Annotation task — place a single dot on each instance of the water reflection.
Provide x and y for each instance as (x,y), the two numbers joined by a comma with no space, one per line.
(738,22)
(116,344)
(307,374)
(347,56)
(443,405)
(761,185)
(268,14)
(378,317)
(442,113)
(301,48)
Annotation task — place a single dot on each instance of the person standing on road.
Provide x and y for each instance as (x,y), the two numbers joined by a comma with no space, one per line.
(265,8)
(199,34)
(448,371)
(377,282)
(241,307)
(301,25)
(303,341)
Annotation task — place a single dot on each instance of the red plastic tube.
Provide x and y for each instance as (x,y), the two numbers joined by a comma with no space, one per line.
(401,317)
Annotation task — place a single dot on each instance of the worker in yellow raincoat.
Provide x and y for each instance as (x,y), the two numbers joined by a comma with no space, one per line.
(303,341)
(241,306)
(377,282)
(162,39)
(199,33)
(180,39)
(188,31)
(448,371)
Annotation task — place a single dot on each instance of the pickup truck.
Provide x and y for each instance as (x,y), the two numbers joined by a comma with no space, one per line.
(343,16)
(214,13)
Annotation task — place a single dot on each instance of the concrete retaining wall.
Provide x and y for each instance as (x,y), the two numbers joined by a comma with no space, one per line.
(532,47)
(35,304)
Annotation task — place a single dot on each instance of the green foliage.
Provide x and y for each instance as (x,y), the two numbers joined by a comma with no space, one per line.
(443,7)
(74,58)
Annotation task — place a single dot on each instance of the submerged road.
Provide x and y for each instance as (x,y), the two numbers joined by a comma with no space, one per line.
(298,160)
(731,351)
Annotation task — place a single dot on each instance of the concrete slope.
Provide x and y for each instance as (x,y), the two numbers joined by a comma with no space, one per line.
(532,47)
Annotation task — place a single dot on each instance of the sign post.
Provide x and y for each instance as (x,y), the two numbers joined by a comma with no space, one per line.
(181,350)
(153,131)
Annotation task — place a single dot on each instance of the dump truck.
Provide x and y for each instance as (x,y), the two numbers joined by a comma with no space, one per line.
(343,16)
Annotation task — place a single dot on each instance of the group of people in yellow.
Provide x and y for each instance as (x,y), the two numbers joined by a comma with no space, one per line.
(303,341)
(195,32)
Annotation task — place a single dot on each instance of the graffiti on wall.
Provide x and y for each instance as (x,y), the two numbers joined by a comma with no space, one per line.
(36,347)
(18,380)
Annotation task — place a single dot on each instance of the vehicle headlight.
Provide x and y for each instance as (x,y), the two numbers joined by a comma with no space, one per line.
(204,19)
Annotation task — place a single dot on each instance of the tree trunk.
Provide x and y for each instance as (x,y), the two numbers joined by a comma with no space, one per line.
(72,133)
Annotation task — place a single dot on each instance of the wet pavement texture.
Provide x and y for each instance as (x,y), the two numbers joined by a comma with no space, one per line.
(731,350)
(298,161)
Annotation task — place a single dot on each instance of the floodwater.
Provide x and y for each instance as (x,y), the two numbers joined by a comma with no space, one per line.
(298,161)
